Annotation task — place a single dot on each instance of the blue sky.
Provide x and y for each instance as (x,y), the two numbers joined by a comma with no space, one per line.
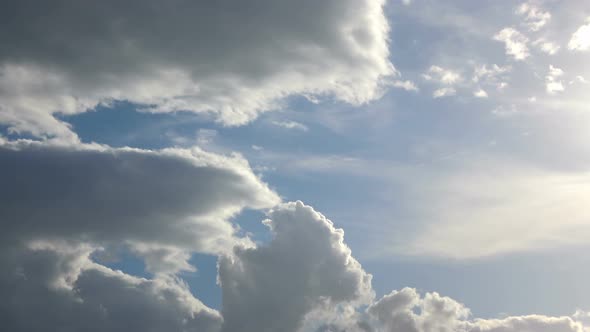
(448,140)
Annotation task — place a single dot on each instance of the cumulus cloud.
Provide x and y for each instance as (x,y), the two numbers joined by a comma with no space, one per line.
(535,17)
(55,286)
(304,279)
(515,43)
(481,93)
(580,40)
(445,78)
(553,83)
(406,85)
(306,265)
(442,75)
(545,46)
(406,310)
(490,74)
(63,57)
(444,92)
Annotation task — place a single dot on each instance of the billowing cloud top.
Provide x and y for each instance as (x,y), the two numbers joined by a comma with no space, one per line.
(231,59)
(273,288)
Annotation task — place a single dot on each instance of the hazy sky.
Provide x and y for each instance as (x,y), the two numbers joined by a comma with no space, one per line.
(333,165)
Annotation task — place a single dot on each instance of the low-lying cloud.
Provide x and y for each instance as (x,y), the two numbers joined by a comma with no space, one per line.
(304,279)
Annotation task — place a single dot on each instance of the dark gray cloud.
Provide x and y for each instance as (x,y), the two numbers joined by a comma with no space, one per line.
(161,203)
(63,205)
(233,59)
(56,287)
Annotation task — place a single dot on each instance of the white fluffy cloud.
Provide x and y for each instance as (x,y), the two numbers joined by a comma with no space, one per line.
(535,17)
(445,78)
(580,40)
(406,85)
(515,43)
(442,75)
(553,83)
(231,60)
(481,93)
(406,310)
(444,92)
(547,47)
(490,74)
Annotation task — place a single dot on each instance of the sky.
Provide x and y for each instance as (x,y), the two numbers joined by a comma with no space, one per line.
(321,166)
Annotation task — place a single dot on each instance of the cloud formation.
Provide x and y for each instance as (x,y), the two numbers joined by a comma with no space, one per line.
(515,43)
(64,206)
(406,310)
(91,297)
(580,40)
(158,202)
(231,60)
(553,83)
(535,17)
(291,125)
(305,279)
(306,265)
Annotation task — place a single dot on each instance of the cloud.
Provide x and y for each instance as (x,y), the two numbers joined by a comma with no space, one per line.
(291,125)
(444,92)
(552,82)
(580,40)
(546,46)
(444,78)
(490,74)
(515,43)
(406,310)
(307,264)
(91,296)
(161,203)
(484,207)
(64,59)
(206,136)
(579,79)
(535,17)
(70,203)
(406,85)
(304,279)
(481,93)
(292,281)
(442,75)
